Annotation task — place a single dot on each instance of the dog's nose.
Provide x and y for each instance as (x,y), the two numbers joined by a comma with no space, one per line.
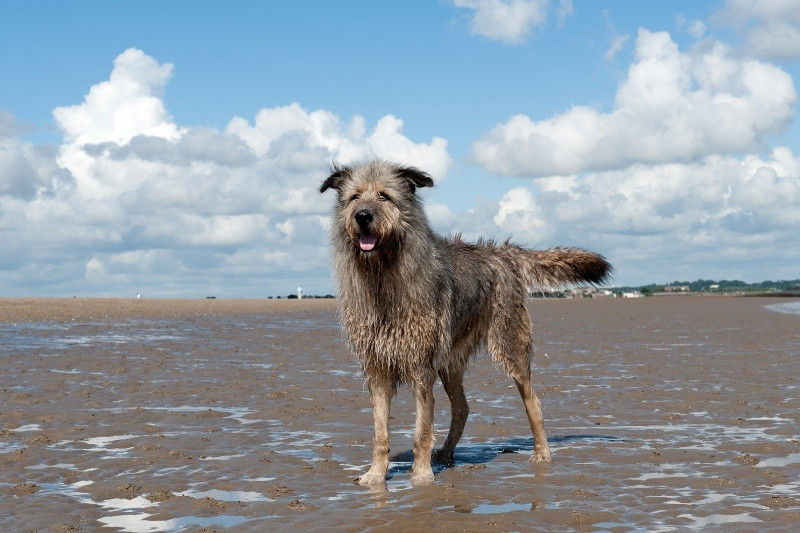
(363,217)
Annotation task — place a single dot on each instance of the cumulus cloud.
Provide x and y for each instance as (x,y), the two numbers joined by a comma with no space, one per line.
(132,199)
(771,27)
(511,21)
(27,171)
(672,107)
(518,209)
(287,134)
(723,216)
(128,104)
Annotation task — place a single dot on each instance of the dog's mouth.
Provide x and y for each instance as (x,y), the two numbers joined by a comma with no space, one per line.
(367,242)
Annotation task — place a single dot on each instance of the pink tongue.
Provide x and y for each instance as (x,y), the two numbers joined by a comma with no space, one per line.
(366,242)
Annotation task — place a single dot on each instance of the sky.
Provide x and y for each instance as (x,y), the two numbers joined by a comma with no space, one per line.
(176,149)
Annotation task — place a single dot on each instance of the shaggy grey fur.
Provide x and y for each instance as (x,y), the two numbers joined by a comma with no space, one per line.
(415,305)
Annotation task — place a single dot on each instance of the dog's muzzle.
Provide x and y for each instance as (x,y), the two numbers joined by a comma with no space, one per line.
(366,241)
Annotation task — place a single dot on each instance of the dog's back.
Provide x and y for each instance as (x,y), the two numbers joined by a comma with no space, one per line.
(491,282)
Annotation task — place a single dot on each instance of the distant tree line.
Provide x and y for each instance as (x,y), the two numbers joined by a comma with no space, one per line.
(722,286)
(701,285)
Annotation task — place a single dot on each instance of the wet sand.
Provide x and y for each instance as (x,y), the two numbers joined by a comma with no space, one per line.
(674,413)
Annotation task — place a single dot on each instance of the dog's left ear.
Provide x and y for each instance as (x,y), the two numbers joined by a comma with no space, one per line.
(337,178)
(415,177)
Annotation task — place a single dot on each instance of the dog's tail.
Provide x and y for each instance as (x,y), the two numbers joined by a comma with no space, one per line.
(557,267)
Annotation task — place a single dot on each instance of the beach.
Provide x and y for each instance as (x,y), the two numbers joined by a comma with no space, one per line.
(663,414)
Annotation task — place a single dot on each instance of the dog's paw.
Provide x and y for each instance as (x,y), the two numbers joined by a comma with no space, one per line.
(423,478)
(371,479)
(542,456)
(442,457)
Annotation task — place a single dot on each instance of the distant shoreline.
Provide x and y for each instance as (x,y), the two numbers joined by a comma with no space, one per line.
(779,294)
(746,294)
(59,310)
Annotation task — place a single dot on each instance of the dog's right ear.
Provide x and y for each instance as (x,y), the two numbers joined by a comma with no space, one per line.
(337,178)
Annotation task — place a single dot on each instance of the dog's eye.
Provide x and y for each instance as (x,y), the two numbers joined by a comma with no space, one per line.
(383,197)
(354,197)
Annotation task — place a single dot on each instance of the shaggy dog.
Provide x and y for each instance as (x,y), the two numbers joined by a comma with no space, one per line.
(415,305)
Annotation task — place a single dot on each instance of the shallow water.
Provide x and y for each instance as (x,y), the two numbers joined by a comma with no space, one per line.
(662,416)
(792,307)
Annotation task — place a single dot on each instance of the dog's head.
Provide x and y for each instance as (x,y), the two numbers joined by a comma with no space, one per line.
(376,204)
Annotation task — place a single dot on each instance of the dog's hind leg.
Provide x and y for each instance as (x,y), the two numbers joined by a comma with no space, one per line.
(380,395)
(509,342)
(459,409)
(533,408)
(422,386)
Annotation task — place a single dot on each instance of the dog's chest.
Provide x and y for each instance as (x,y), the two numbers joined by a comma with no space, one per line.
(392,334)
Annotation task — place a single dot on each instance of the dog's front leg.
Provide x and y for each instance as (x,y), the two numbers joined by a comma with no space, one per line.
(380,395)
(421,472)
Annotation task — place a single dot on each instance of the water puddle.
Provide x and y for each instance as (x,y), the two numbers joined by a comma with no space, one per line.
(28,427)
(494,508)
(139,523)
(32,336)
(792,308)
(780,462)
(235,413)
(701,522)
(226,495)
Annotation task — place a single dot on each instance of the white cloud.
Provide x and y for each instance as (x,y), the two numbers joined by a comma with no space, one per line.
(27,171)
(776,39)
(697,29)
(388,142)
(511,21)
(772,27)
(672,107)
(132,201)
(95,270)
(518,209)
(126,105)
(288,134)
(564,10)
(616,45)
(723,216)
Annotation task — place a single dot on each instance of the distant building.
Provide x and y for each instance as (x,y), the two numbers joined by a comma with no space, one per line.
(591,292)
(676,288)
(585,292)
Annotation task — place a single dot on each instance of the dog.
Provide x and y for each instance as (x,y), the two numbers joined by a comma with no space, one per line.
(415,305)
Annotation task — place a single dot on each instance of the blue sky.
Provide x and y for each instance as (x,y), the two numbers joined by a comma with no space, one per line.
(175,148)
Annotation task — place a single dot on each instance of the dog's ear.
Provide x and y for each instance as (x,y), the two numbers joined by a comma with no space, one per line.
(337,178)
(415,177)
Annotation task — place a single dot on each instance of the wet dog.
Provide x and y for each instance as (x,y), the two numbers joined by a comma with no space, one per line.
(415,305)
